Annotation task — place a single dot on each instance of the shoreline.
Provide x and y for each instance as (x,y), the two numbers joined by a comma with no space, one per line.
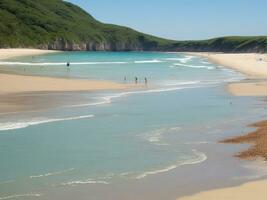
(20,52)
(22,88)
(254,86)
(253,65)
(14,85)
(242,192)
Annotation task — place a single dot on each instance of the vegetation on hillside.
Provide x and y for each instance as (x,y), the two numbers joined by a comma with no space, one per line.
(56,24)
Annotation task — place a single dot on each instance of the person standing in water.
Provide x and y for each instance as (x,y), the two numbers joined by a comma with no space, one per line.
(145,80)
(136,80)
(125,79)
(68,64)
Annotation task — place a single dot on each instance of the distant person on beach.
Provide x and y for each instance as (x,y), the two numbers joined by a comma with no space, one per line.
(68,64)
(136,80)
(125,79)
(145,80)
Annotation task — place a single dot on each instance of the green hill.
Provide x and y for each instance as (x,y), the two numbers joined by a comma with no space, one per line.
(55,24)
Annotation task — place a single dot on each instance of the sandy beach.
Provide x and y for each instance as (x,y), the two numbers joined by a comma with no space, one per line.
(11,84)
(248,191)
(18,83)
(11,53)
(251,64)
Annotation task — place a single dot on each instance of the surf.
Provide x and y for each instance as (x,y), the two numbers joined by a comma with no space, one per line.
(33,122)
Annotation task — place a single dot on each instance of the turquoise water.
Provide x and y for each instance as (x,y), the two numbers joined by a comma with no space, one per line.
(117,136)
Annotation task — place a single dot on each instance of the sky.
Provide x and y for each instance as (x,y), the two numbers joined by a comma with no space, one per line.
(183,19)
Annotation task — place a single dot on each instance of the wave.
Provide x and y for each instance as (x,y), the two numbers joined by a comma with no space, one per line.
(199,158)
(24,124)
(20,195)
(148,61)
(195,66)
(155,136)
(52,173)
(89,181)
(108,99)
(59,63)
(182,60)
(174,83)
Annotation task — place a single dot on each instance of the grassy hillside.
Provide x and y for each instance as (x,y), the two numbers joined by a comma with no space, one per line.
(225,44)
(55,24)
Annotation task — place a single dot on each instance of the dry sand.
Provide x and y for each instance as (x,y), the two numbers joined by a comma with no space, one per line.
(249,191)
(17,83)
(251,64)
(11,53)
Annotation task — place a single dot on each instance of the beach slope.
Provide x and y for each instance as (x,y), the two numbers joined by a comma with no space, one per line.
(254,190)
(251,64)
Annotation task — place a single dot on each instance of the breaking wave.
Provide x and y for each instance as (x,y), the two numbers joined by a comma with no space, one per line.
(195,66)
(52,173)
(148,61)
(59,63)
(199,157)
(24,124)
(80,182)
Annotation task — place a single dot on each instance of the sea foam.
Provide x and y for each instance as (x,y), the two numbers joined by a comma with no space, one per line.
(24,124)
(60,63)
(15,196)
(148,61)
(52,173)
(199,157)
(83,182)
(195,66)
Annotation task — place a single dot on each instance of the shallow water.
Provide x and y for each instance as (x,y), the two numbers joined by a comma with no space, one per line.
(114,137)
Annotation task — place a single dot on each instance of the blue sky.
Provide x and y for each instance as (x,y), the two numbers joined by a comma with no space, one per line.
(183,19)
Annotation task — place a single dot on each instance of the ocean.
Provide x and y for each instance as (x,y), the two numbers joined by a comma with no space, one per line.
(119,137)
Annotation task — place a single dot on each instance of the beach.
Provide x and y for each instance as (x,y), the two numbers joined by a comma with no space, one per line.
(188,81)
(248,191)
(255,67)
(11,84)
(251,64)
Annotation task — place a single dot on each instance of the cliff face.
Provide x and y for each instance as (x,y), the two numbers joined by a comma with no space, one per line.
(59,25)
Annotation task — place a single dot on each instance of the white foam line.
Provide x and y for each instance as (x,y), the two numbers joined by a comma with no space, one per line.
(155,136)
(52,173)
(23,124)
(194,66)
(201,157)
(148,61)
(60,63)
(108,99)
(182,60)
(89,181)
(181,83)
(20,195)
